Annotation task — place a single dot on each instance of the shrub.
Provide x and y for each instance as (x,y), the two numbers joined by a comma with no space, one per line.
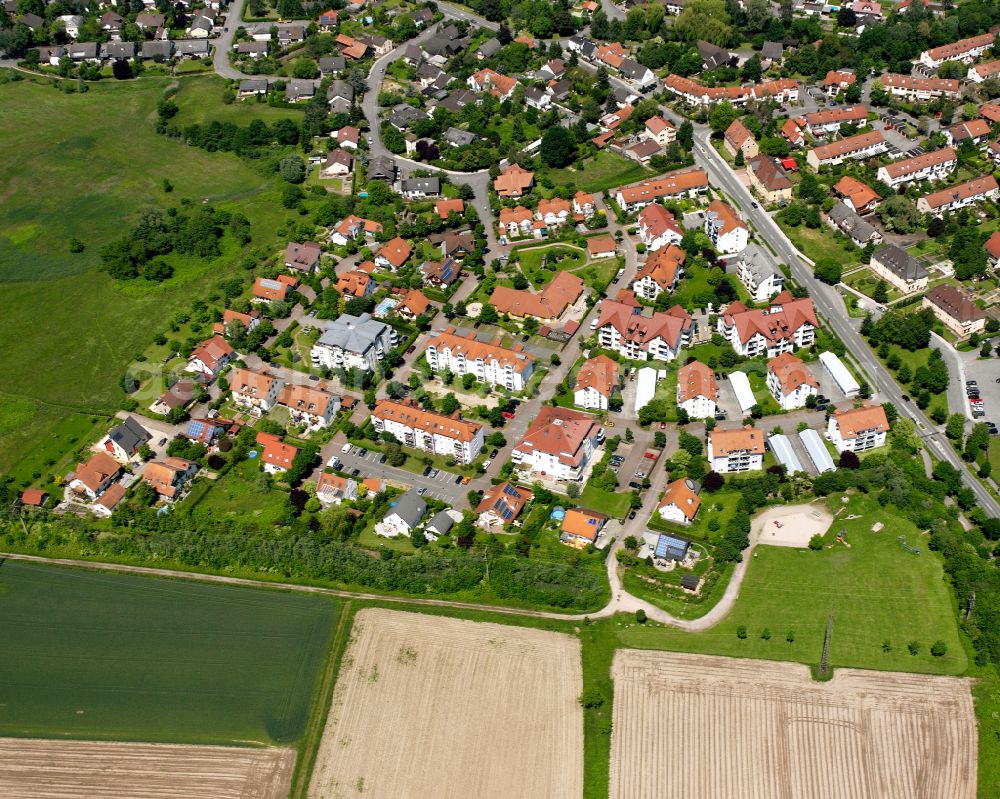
(640,616)
(913,647)
(939,649)
(816,542)
(741,632)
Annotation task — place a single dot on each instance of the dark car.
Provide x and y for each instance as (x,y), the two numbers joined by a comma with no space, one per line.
(458,480)
(383,458)
(631,515)
(636,485)
(411,349)
(355,472)
(906,398)
(427,471)
(362,452)
(494,453)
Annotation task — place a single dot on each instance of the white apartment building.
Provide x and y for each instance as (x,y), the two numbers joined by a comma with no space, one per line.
(353,342)
(725,228)
(431,432)
(790,382)
(739,450)
(559,443)
(761,279)
(935,165)
(788,323)
(489,363)
(256,392)
(697,391)
(858,429)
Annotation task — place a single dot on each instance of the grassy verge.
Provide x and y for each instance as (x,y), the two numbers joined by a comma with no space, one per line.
(600,173)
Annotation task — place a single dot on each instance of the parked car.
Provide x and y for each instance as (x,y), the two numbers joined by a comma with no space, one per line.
(971,383)
(427,471)
(640,474)
(494,453)
(411,349)
(355,472)
(434,473)
(422,490)
(345,448)
(631,514)
(383,458)
(458,480)
(486,464)
(506,414)
(636,485)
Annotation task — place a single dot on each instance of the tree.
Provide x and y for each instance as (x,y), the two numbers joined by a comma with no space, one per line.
(685,135)
(848,460)
(557,149)
(955,428)
(701,19)
(713,482)
(939,649)
(292,169)
(881,293)
(573,490)
(739,160)
(864,390)
(846,18)
(640,616)
(722,116)
(828,270)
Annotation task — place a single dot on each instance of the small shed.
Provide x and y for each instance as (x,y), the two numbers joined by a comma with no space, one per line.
(671,547)
(34,497)
(690,582)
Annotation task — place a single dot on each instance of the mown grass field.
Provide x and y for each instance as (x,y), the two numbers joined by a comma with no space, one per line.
(113,656)
(602,172)
(877,591)
(67,331)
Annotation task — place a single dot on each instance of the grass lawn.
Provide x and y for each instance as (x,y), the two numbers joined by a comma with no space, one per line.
(242,493)
(67,331)
(865,281)
(820,243)
(599,274)
(615,505)
(602,172)
(557,258)
(877,591)
(916,359)
(95,655)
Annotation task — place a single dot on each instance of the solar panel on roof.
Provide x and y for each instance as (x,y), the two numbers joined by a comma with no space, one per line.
(196,429)
(510,490)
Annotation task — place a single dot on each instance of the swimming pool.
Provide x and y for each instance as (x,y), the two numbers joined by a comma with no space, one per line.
(385,306)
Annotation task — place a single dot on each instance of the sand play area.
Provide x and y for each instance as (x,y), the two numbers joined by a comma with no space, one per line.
(791,525)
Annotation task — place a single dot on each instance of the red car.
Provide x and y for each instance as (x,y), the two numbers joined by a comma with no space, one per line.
(663,425)
(506,414)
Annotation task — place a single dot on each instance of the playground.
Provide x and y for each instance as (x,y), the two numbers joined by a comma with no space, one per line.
(791,525)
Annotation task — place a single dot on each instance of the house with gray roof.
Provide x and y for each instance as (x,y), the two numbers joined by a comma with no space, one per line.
(192,48)
(353,342)
(713,56)
(252,49)
(157,50)
(381,167)
(331,65)
(116,50)
(340,96)
(413,55)
(84,51)
(419,188)
(297,90)
(457,137)
(772,51)
(488,49)
(123,441)
(899,269)
(252,87)
(636,74)
(404,115)
(440,524)
(403,516)
(456,100)
(842,218)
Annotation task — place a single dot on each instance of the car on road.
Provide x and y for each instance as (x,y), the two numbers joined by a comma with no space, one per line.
(906,397)
(411,349)
(631,514)
(314,377)
(312,314)
(663,425)
(163,441)
(369,139)
(494,453)
(754,205)
(507,414)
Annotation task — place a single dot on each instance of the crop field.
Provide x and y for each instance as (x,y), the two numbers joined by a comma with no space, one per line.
(67,331)
(427,706)
(111,656)
(693,725)
(34,769)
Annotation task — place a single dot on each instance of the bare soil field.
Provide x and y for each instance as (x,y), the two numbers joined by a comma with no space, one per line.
(38,769)
(427,706)
(791,525)
(714,727)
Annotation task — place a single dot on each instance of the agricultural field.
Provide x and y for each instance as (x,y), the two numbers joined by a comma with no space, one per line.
(112,656)
(34,769)
(691,725)
(427,706)
(67,331)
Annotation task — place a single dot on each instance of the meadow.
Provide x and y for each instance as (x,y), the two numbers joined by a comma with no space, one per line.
(85,165)
(111,656)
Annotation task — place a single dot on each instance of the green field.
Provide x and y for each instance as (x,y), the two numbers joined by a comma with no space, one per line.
(94,655)
(67,331)
(877,591)
(530,259)
(602,172)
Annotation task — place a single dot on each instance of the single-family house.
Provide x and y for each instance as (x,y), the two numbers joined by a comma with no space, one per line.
(123,441)
(211,357)
(680,502)
(596,382)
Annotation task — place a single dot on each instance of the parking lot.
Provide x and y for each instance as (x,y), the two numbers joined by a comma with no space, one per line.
(443,486)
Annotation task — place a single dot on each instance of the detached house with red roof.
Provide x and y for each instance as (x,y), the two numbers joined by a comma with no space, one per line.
(739,139)
(211,357)
(168,477)
(332,489)
(91,479)
(559,443)
(790,381)
(786,324)
(502,504)
(660,273)
(514,181)
(256,392)
(697,390)
(488,80)
(581,527)
(642,334)
(724,227)
(310,406)
(596,383)
(354,227)
(393,254)
(658,227)
(680,502)
(858,429)
(277,456)
(660,130)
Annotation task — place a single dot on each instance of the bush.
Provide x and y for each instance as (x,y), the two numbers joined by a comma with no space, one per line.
(816,542)
(939,649)
(765,634)
(592,698)
(741,632)
(913,647)
(640,616)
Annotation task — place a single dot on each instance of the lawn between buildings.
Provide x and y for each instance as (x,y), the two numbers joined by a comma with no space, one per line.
(68,330)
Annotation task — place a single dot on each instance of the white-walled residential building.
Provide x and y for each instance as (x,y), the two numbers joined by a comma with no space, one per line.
(583,204)
(256,392)
(829,120)
(697,390)
(211,357)
(91,479)
(353,341)
(760,278)
(641,334)
(489,363)
(660,273)
(657,227)
(858,429)
(559,443)
(596,383)
(431,432)
(724,227)
(404,515)
(956,308)
(332,489)
(309,405)
(689,183)
(863,145)
(964,50)
(899,269)
(660,130)
(790,381)
(920,89)
(740,450)
(959,196)
(276,456)
(680,502)
(786,324)
(935,165)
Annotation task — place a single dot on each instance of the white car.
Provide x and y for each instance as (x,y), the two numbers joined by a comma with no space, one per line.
(346,448)
(486,464)
(593,323)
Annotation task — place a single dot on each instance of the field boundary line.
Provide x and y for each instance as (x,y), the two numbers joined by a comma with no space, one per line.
(311,738)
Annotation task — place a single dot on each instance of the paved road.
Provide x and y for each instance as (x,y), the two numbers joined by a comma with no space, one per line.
(829,304)
(224,44)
